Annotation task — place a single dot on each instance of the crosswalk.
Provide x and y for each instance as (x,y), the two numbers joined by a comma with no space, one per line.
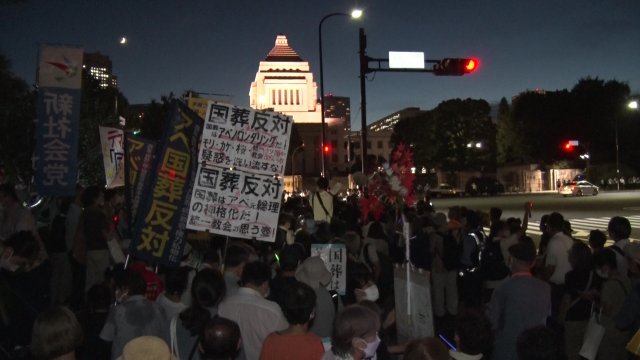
(582,227)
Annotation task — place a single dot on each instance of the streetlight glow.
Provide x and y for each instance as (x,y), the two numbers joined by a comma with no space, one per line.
(633,105)
(356,13)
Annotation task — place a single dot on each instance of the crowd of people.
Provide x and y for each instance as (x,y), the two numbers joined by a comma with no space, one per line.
(496,294)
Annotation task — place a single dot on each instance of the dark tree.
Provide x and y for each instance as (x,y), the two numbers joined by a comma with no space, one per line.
(17,111)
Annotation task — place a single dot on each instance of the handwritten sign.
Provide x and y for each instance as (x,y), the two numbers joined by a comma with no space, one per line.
(112,142)
(335,259)
(245,139)
(239,184)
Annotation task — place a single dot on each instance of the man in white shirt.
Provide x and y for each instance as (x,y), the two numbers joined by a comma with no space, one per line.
(256,316)
(619,231)
(557,260)
(322,202)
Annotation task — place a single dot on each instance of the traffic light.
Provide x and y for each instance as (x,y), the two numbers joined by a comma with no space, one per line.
(570,145)
(326,149)
(455,66)
(567,146)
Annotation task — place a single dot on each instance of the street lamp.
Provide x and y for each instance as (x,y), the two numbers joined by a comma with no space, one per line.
(633,105)
(355,14)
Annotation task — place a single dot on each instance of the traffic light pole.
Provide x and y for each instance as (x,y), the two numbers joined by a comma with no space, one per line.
(364,67)
(447,66)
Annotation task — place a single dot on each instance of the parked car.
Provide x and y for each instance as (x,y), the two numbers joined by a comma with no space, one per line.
(579,188)
(483,185)
(445,190)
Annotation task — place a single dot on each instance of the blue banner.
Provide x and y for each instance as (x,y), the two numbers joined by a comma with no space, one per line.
(58,123)
(57,130)
(160,231)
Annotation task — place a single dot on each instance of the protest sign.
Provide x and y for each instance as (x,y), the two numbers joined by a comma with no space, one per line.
(140,162)
(245,139)
(160,230)
(335,259)
(58,116)
(239,184)
(112,143)
(414,318)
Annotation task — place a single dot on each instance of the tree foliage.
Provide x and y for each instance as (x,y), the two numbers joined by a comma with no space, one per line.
(539,123)
(98,108)
(440,137)
(17,111)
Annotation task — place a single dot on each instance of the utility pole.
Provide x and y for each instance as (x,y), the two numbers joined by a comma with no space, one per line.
(364,67)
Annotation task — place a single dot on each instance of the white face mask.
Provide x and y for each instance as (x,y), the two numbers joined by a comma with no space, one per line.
(370,349)
(372,293)
(602,274)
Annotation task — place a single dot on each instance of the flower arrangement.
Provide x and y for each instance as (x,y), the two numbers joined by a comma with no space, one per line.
(390,186)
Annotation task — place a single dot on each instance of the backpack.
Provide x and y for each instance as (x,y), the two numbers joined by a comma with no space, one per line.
(492,265)
(450,252)
(476,254)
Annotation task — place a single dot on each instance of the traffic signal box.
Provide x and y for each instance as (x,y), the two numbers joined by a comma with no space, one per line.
(455,67)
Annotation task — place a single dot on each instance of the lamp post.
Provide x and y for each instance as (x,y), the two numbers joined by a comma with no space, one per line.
(633,105)
(355,14)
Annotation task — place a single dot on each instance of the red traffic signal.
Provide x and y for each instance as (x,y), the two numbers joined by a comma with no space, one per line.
(570,145)
(455,66)
(326,149)
(471,65)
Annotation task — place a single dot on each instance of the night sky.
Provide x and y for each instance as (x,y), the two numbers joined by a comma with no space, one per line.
(215,46)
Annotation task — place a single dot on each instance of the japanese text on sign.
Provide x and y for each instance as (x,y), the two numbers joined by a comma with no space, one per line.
(160,230)
(245,139)
(112,141)
(235,203)
(335,259)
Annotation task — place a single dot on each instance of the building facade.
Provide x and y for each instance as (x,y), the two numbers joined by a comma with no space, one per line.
(99,67)
(284,83)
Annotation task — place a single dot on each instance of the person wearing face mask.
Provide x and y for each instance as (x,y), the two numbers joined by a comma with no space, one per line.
(256,316)
(520,302)
(615,289)
(355,334)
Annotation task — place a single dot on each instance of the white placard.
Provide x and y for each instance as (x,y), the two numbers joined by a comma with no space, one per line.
(112,142)
(335,259)
(245,139)
(414,318)
(235,203)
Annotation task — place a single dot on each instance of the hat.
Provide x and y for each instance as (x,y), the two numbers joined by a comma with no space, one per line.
(523,251)
(146,348)
(455,224)
(440,222)
(633,251)
(313,272)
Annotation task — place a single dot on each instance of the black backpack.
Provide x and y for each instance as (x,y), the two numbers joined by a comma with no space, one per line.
(492,265)
(450,252)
